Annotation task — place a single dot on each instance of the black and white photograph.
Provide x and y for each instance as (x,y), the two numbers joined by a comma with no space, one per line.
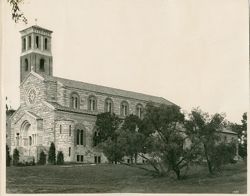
(124,96)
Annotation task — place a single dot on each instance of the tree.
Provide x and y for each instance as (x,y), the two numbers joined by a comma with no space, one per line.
(241,130)
(107,124)
(242,134)
(33,161)
(113,150)
(205,130)
(16,12)
(8,158)
(16,157)
(52,154)
(165,140)
(222,154)
(60,158)
(131,136)
(42,158)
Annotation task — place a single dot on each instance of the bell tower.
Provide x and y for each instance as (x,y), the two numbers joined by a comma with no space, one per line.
(36,52)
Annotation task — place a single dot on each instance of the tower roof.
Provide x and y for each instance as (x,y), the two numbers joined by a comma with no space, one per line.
(35,28)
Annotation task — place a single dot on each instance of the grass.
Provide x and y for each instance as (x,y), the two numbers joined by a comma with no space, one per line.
(121,178)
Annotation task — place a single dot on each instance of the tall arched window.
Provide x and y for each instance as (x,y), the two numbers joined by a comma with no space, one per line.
(75,100)
(80,134)
(108,105)
(17,139)
(29,42)
(30,140)
(41,65)
(26,64)
(45,43)
(124,108)
(69,130)
(69,151)
(80,137)
(92,103)
(24,43)
(139,110)
(37,41)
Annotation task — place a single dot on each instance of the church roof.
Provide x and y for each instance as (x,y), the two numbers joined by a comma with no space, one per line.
(108,90)
(59,107)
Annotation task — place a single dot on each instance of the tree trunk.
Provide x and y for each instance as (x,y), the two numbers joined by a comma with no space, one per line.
(136,158)
(131,158)
(177,172)
(208,161)
(152,164)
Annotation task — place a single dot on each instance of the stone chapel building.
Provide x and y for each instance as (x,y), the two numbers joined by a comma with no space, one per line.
(59,110)
(63,111)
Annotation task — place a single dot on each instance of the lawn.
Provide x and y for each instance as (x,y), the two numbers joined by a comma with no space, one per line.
(121,178)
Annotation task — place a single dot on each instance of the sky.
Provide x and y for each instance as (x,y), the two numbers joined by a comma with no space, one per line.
(191,52)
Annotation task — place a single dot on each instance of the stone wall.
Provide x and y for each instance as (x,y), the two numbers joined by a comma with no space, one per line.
(32,82)
(64,140)
(41,117)
(64,95)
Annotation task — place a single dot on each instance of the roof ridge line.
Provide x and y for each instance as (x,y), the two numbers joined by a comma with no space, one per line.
(98,85)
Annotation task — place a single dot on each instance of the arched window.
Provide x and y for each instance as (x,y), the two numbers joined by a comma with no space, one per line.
(69,130)
(69,151)
(75,101)
(139,110)
(92,103)
(24,43)
(26,63)
(45,43)
(37,41)
(80,134)
(124,108)
(108,105)
(41,66)
(33,139)
(80,137)
(25,133)
(29,42)
(30,140)
(17,139)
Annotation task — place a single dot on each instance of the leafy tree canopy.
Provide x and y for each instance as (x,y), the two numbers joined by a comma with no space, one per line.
(107,124)
(204,130)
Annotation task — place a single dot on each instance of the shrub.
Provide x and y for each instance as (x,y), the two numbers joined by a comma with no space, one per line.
(42,158)
(222,154)
(52,154)
(30,163)
(8,158)
(21,164)
(60,158)
(16,157)
(33,161)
